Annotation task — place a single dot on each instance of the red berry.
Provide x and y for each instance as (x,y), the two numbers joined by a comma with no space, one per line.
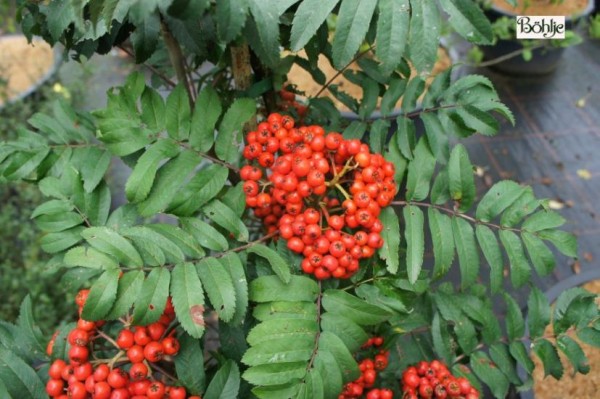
(54,387)
(170,346)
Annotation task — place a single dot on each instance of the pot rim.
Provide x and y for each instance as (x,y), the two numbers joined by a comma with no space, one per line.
(587,11)
(41,80)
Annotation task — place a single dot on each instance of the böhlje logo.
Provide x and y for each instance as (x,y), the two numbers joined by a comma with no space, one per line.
(540,27)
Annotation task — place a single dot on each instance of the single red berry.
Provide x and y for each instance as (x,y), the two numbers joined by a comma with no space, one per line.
(102,390)
(79,337)
(79,354)
(117,378)
(153,352)
(170,346)
(156,390)
(138,371)
(101,372)
(55,387)
(135,354)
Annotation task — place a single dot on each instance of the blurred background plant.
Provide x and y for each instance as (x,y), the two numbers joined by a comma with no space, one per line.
(23,265)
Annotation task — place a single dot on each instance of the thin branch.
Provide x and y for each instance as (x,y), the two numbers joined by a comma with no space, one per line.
(457,214)
(178,61)
(208,156)
(338,73)
(504,57)
(158,73)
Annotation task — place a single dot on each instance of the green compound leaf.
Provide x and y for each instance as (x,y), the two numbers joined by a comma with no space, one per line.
(20,380)
(549,356)
(206,235)
(178,114)
(424,34)
(415,241)
(188,298)
(284,310)
(543,220)
(280,351)
(420,171)
(346,362)
(189,364)
(390,234)
(206,114)
(468,256)
(233,265)
(309,16)
(170,177)
(219,287)
(490,374)
(392,33)
(225,217)
(541,256)
(497,199)
(357,310)
(493,255)
(226,382)
(272,288)
(266,21)
(279,328)
(128,290)
(275,374)
(142,177)
(461,180)
(538,312)
(152,299)
(515,324)
(352,26)
(229,140)
(565,242)
(440,226)
(278,264)
(102,296)
(520,271)
(469,21)
(110,242)
(348,331)
(231,16)
(573,351)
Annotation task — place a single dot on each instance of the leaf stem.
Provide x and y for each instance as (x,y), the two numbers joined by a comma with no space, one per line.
(457,214)
(318,335)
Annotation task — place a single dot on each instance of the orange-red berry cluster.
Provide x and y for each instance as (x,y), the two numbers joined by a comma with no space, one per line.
(128,375)
(322,192)
(433,380)
(368,369)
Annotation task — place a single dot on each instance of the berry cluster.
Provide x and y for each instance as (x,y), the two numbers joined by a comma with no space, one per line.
(368,369)
(130,374)
(433,380)
(323,193)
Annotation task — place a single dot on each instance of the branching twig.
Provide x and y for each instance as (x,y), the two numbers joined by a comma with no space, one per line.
(338,73)
(158,73)
(178,61)
(504,57)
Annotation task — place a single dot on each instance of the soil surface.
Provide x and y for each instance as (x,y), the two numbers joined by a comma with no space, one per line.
(578,387)
(305,83)
(543,7)
(22,65)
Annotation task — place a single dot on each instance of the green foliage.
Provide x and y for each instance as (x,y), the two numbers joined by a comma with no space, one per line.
(184,231)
